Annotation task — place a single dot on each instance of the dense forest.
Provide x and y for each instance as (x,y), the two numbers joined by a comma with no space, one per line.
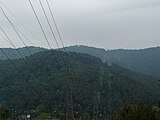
(40,85)
(145,61)
(13,53)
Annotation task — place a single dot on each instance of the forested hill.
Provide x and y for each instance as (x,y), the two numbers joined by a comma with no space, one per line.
(49,78)
(13,54)
(146,61)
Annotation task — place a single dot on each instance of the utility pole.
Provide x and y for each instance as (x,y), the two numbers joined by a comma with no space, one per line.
(70,104)
(159,90)
(159,84)
(110,75)
(94,101)
(67,110)
(15,114)
(70,108)
(98,103)
(52,112)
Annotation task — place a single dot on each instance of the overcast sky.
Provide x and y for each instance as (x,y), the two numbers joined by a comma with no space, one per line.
(107,24)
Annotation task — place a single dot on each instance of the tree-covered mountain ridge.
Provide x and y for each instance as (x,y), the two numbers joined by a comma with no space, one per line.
(24,52)
(146,61)
(43,81)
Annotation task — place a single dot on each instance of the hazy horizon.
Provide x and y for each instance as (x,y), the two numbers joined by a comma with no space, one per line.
(89,46)
(118,24)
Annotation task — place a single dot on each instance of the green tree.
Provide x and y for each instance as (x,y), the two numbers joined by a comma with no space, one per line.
(136,112)
(4,113)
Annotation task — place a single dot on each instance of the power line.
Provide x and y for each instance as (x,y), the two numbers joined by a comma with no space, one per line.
(3,13)
(19,30)
(45,36)
(11,43)
(17,69)
(71,86)
(15,30)
(58,31)
(21,56)
(9,40)
(40,24)
(29,31)
(53,18)
(5,39)
(48,23)
(71,81)
(69,64)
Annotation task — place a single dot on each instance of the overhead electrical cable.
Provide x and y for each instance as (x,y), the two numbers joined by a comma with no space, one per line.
(17,69)
(58,31)
(19,30)
(20,55)
(20,22)
(53,18)
(14,28)
(40,24)
(49,23)
(9,40)
(71,82)
(61,56)
(11,43)
(5,39)
(69,66)
(44,34)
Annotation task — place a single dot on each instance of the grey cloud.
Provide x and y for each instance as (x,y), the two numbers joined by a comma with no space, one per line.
(101,23)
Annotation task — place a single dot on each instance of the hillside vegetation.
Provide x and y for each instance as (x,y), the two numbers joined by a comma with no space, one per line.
(25,51)
(48,76)
(146,61)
